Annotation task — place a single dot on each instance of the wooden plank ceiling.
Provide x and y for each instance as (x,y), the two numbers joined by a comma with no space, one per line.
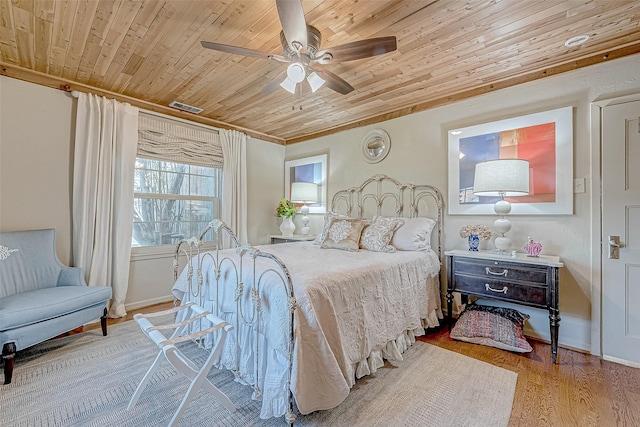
(148,52)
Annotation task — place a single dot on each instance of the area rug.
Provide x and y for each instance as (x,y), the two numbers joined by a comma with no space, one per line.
(87,380)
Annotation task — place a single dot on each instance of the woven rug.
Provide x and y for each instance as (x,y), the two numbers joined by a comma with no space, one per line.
(88,379)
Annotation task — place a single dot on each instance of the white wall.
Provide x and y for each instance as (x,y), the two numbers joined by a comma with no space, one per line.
(419,155)
(36,151)
(37,130)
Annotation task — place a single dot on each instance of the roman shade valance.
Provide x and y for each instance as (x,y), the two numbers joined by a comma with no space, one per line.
(169,140)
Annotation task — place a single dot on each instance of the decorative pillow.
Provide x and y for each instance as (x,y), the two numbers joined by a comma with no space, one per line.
(376,237)
(493,326)
(414,235)
(343,233)
(327,221)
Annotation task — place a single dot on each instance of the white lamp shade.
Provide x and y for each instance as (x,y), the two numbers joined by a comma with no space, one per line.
(296,72)
(509,177)
(289,85)
(304,192)
(315,81)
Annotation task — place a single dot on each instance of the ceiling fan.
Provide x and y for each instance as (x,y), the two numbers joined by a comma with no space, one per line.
(301,50)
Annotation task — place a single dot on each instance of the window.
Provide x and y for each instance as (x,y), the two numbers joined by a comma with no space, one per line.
(173,201)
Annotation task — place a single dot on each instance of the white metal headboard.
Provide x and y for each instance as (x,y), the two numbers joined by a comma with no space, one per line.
(386,196)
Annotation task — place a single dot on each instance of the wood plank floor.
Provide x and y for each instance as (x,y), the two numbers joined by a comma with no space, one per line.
(581,390)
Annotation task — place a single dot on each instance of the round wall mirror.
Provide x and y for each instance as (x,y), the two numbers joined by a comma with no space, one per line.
(376,145)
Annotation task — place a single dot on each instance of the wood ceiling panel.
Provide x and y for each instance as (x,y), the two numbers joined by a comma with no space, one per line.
(148,52)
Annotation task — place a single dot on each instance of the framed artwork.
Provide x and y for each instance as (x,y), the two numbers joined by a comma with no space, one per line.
(309,169)
(544,139)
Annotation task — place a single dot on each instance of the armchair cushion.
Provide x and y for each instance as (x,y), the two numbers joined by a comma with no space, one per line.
(43,304)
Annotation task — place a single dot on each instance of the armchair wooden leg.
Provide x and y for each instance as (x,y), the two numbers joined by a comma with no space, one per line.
(103,323)
(8,357)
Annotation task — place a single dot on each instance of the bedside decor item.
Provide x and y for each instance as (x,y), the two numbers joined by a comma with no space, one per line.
(475,233)
(544,139)
(492,326)
(304,192)
(286,210)
(502,177)
(375,146)
(308,169)
(532,247)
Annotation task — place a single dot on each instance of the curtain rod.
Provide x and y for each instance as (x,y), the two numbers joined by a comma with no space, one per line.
(76,93)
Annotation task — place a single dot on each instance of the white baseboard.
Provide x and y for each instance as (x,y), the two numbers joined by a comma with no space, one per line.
(145,303)
(621,361)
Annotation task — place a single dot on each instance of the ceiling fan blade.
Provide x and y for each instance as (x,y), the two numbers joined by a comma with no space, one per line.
(274,84)
(237,50)
(334,82)
(293,23)
(357,50)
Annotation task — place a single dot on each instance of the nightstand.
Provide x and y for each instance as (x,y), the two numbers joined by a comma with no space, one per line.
(519,279)
(275,238)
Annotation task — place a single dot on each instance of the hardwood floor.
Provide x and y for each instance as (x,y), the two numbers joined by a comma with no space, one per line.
(581,390)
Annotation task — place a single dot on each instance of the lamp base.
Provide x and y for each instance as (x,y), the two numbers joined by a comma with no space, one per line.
(304,210)
(502,243)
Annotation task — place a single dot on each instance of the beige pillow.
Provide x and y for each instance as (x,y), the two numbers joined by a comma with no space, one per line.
(344,234)
(325,227)
(376,237)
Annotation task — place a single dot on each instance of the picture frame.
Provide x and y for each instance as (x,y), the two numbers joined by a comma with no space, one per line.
(308,169)
(545,139)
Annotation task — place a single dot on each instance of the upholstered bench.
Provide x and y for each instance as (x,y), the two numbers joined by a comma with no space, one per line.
(39,297)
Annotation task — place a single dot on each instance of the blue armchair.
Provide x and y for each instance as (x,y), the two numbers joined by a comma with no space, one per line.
(40,298)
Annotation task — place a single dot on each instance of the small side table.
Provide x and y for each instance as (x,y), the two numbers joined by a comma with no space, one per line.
(277,238)
(519,279)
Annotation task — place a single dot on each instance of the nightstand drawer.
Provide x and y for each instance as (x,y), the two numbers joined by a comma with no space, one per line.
(523,293)
(501,270)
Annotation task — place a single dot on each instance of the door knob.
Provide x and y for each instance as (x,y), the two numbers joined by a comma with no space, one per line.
(614,247)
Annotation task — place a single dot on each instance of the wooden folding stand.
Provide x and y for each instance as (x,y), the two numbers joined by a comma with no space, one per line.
(167,347)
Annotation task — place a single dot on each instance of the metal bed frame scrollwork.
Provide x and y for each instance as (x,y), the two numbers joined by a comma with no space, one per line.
(248,315)
(388,196)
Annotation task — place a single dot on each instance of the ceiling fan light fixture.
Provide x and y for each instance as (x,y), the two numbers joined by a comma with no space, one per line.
(315,81)
(289,85)
(296,72)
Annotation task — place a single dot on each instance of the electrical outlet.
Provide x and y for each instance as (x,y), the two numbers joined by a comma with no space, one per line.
(579,185)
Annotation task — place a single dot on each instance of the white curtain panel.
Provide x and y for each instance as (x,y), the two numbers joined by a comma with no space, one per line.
(234,181)
(103,170)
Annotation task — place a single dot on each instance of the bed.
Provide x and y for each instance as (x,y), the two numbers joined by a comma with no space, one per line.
(312,317)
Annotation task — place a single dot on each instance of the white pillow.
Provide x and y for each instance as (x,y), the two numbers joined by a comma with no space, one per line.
(325,228)
(414,235)
(376,237)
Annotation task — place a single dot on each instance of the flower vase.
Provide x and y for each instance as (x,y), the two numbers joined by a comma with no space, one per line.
(474,242)
(287,227)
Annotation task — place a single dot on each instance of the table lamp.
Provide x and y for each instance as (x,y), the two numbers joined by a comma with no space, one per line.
(502,177)
(304,192)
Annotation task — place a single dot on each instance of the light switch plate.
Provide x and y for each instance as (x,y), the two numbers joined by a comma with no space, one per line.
(579,185)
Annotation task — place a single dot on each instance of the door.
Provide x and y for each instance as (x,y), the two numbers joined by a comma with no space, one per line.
(621,217)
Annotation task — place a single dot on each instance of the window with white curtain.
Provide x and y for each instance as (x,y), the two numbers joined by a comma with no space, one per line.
(177,181)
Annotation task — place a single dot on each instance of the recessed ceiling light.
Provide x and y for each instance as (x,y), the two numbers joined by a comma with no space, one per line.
(576,41)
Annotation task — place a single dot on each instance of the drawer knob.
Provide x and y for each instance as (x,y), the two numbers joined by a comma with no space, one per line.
(495,273)
(500,291)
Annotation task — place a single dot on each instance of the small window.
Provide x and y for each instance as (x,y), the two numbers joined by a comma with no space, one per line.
(173,201)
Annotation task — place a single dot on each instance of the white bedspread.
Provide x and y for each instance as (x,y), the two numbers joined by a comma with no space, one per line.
(355,308)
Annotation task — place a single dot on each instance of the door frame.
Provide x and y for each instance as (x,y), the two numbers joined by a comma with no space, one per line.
(596,108)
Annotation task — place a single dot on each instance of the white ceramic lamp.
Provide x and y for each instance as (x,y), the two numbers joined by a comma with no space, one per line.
(304,192)
(503,177)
